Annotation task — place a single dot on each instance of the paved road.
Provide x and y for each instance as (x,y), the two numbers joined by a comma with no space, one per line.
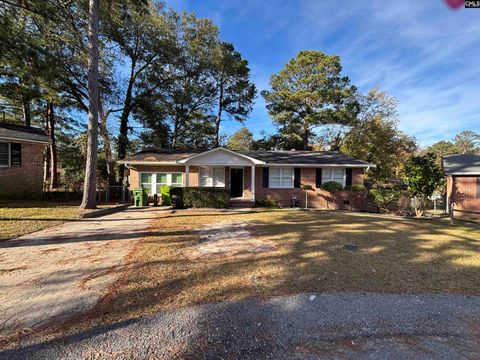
(312,326)
(61,271)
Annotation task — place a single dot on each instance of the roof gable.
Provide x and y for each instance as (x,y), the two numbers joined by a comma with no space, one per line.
(221,156)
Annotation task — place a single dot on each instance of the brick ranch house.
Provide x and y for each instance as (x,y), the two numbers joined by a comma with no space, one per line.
(21,159)
(252,175)
(463,185)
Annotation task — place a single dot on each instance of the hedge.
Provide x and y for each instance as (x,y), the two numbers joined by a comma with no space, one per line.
(332,186)
(200,197)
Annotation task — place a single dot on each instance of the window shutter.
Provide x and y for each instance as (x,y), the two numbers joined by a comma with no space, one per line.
(318,177)
(16,154)
(4,154)
(265,177)
(348,180)
(296,177)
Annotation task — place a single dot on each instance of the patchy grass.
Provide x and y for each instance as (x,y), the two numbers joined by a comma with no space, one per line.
(394,255)
(20,217)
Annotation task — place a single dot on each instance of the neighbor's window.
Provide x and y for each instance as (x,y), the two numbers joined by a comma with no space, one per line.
(4,154)
(335,174)
(212,176)
(478,187)
(280,178)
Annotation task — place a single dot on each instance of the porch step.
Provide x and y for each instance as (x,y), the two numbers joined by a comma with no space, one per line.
(241,204)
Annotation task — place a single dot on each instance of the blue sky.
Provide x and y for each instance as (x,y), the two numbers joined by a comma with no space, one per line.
(420,51)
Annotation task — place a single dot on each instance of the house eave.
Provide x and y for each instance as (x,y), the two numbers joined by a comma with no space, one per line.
(10,139)
(321,165)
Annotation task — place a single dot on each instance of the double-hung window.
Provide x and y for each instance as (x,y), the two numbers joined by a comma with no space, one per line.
(212,176)
(333,174)
(10,154)
(280,178)
(153,182)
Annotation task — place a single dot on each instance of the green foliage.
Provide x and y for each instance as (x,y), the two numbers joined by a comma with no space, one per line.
(308,92)
(377,139)
(356,188)
(165,191)
(422,177)
(241,140)
(269,203)
(198,197)
(467,142)
(385,198)
(331,186)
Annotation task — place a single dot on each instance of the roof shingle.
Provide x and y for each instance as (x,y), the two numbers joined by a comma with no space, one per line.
(22,133)
(461,164)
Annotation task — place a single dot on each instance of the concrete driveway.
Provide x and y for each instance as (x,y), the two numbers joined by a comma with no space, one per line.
(64,270)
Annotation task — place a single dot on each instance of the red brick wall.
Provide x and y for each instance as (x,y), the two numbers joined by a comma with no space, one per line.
(27,178)
(317,198)
(466,199)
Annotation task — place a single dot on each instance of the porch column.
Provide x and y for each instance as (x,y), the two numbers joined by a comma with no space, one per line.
(187,174)
(253,183)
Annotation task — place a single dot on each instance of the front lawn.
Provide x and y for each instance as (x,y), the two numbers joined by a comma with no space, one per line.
(20,217)
(188,259)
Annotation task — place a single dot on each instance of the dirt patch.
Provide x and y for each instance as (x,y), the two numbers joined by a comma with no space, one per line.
(228,239)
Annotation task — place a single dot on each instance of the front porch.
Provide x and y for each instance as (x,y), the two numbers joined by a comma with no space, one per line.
(224,168)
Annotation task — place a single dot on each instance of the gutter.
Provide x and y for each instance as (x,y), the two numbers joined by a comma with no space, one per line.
(47,142)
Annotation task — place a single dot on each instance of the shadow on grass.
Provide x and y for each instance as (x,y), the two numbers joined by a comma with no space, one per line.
(394,256)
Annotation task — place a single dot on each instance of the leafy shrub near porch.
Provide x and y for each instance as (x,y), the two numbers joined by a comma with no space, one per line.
(200,197)
(266,203)
(332,186)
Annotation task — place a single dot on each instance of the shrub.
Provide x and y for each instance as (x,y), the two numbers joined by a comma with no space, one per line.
(200,197)
(356,188)
(385,198)
(266,203)
(165,191)
(331,186)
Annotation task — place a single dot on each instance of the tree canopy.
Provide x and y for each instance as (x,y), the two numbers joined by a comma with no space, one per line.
(308,92)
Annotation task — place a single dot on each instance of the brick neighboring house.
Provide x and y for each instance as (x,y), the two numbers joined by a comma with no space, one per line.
(21,159)
(463,185)
(253,175)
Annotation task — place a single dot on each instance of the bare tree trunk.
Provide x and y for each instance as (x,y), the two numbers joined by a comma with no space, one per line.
(219,117)
(89,190)
(53,146)
(306,133)
(106,143)
(123,131)
(26,111)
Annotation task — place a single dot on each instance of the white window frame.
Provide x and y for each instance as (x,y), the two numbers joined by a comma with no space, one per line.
(282,183)
(9,155)
(208,172)
(154,184)
(332,175)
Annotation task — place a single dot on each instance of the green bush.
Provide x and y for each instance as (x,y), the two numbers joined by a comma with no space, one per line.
(165,191)
(331,186)
(200,197)
(266,203)
(385,198)
(356,188)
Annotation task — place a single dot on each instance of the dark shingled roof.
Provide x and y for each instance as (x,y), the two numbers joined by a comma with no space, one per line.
(268,156)
(462,164)
(22,133)
(304,157)
(167,155)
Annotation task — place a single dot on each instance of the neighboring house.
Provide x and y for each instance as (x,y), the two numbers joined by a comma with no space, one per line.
(21,159)
(463,185)
(251,175)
